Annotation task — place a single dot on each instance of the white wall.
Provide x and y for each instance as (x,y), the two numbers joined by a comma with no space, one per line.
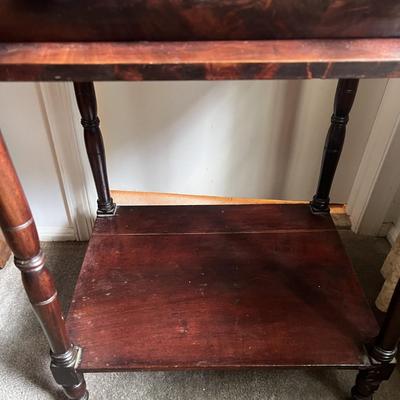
(25,129)
(247,139)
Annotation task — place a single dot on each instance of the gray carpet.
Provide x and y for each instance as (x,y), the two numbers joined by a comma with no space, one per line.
(24,362)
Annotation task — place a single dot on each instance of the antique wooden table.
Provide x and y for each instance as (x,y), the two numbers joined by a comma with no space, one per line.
(179,287)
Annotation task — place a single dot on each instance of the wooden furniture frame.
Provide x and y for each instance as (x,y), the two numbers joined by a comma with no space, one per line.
(166,287)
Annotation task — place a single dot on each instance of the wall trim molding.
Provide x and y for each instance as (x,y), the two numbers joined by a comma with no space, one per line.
(67,137)
(367,207)
(56,233)
(377,179)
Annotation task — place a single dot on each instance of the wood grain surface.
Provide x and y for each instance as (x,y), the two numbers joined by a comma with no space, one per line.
(132,20)
(274,59)
(218,287)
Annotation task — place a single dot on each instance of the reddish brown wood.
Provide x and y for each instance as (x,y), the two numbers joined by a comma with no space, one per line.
(275,59)
(20,232)
(196,287)
(86,100)
(345,95)
(107,20)
(211,219)
(212,288)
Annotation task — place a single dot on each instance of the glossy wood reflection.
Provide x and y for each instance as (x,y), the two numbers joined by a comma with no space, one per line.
(108,20)
(345,94)
(277,59)
(19,229)
(86,100)
(166,287)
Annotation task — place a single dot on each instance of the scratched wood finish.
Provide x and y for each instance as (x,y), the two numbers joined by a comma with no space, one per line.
(213,288)
(207,219)
(109,20)
(276,59)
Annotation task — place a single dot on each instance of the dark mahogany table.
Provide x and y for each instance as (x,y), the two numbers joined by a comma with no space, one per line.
(184,287)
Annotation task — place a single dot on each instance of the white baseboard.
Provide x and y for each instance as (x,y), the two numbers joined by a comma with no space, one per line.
(393,233)
(56,233)
(377,182)
(65,134)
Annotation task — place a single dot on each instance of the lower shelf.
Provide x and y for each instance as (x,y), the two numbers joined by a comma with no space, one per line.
(165,287)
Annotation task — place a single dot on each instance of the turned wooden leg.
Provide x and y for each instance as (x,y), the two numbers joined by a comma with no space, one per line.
(382,353)
(20,232)
(86,99)
(345,94)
